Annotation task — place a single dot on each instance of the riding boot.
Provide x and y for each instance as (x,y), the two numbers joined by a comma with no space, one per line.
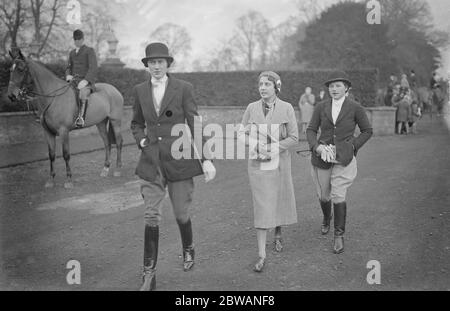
(340,214)
(81,114)
(327,215)
(151,239)
(188,247)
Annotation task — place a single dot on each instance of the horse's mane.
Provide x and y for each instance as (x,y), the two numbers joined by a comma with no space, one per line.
(44,70)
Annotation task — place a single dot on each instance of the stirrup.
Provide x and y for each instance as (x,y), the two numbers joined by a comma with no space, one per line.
(79,122)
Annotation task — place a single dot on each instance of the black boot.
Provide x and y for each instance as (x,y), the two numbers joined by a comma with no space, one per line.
(340,214)
(188,247)
(327,215)
(81,114)
(151,239)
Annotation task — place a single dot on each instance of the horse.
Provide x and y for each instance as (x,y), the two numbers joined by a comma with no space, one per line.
(58,108)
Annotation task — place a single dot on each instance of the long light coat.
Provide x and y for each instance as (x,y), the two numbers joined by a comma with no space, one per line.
(271,184)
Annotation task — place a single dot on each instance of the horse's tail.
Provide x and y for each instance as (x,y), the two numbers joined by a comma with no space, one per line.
(111,134)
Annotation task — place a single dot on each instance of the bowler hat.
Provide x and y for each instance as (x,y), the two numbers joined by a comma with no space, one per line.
(157,50)
(78,34)
(337,76)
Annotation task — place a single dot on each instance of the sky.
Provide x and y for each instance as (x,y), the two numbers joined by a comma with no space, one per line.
(210,22)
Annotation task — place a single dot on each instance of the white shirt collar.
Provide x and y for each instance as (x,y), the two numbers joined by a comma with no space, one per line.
(163,80)
(339,102)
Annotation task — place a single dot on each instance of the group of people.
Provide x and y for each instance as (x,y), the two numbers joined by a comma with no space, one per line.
(164,101)
(403,96)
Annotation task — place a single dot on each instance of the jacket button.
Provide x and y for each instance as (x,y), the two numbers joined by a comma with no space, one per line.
(159,138)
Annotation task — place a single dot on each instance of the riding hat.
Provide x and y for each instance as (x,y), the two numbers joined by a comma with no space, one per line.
(157,50)
(78,34)
(337,76)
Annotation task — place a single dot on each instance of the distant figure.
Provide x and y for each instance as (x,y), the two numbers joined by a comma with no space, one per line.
(390,90)
(322,95)
(413,80)
(403,113)
(404,84)
(416,113)
(306,105)
(434,81)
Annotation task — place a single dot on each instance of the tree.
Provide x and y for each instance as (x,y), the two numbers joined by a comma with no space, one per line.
(176,37)
(251,35)
(283,44)
(98,21)
(13,16)
(45,17)
(309,10)
(341,38)
(224,59)
(416,43)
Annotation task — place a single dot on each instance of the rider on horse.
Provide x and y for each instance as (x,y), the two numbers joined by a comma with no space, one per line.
(82,70)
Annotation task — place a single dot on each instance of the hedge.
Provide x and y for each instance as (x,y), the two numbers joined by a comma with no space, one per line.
(220,88)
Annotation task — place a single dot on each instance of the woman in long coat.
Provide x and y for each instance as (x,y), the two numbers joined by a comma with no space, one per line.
(306,105)
(269,127)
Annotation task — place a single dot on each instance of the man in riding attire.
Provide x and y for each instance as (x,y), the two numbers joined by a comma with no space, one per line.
(82,70)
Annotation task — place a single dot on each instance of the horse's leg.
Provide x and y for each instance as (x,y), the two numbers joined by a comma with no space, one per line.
(104,135)
(51,142)
(116,125)
(66,155)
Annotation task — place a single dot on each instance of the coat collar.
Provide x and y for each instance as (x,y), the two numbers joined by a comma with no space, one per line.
(170,92)
(80,49)
(344,110)
(168,95)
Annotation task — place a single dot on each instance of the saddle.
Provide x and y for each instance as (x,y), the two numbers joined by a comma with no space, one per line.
(74,85)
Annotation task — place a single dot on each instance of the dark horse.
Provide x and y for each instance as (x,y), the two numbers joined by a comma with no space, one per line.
(57,106)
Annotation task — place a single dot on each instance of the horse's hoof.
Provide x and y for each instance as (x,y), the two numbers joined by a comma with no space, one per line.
(117,173)
(49,184)
(68,185)
(105,172)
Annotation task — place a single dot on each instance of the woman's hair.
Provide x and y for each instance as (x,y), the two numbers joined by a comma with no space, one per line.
(272,77)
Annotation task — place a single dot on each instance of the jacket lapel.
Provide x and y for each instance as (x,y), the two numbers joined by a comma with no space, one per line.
(344,110)
(168,95)
(328,113)
(148,98)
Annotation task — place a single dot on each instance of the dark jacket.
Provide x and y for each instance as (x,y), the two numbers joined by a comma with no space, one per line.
(341,135)
(177,107)
(83,64)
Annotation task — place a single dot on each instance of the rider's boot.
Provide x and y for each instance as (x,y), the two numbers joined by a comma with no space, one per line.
(81,114)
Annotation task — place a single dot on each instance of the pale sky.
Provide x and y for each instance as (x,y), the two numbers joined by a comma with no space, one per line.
(210,22)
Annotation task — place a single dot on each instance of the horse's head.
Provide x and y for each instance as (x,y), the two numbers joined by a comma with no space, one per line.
(20,77)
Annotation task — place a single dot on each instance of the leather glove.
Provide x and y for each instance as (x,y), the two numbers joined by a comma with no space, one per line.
(143,143)
(209,170)
(82,84)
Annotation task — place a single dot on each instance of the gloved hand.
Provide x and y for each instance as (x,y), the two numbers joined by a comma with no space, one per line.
(143,143)
(69,78)
(82,84)
(209,170)
(326,153)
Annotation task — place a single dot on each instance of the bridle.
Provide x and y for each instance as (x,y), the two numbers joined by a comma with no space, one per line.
(25,89)
(26,92)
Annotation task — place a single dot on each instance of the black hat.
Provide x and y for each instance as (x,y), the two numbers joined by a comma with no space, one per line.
(157,50)
(337,76)
(78,34)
